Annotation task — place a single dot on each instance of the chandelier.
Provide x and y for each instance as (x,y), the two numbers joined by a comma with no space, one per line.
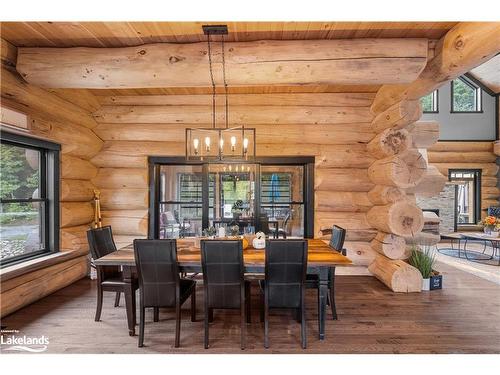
(219,143)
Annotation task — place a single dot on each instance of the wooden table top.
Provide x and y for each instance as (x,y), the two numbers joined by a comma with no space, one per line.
(319,254)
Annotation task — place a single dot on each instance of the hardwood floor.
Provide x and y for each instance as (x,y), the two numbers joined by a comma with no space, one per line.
(462,318)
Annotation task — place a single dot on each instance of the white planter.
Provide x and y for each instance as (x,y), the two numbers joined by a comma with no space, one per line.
(426,284)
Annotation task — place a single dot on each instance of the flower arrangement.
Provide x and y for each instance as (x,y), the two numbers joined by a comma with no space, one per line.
(490,223)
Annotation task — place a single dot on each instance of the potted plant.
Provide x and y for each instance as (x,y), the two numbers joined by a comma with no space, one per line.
(490,224)
(423,260)
(237,209)
(210,232)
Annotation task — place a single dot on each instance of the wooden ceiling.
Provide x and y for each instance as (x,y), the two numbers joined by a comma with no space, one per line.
(489,74)
(119,34)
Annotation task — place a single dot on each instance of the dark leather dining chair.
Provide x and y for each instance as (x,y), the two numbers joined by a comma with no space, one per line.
(159,282)
(336,243)
(224,282)
(109,278)
(284,283)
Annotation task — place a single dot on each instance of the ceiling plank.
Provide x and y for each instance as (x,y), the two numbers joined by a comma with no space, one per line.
(121,34)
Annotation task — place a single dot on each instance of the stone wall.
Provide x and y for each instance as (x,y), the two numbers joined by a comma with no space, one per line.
(445,203)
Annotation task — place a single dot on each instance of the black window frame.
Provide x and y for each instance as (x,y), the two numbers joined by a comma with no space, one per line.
(479,95)
(435,101)
(49,193)
(155,162)
(477,196)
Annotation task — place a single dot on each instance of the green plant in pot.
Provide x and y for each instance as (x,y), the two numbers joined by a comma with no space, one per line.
(237,209)
(423,260)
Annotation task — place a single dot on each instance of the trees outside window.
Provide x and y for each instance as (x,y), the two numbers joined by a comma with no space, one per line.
(430,102)
(465,96)
(27,209)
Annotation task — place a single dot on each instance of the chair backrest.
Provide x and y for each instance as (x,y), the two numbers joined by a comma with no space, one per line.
(285,273)
(100,241)
(157,271)
(494,211)
(337,239)
(223,272)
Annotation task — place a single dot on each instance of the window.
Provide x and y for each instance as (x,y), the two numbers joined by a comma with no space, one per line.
(465,96)
(430,102)
(29,198)
(186,198)
(467,195)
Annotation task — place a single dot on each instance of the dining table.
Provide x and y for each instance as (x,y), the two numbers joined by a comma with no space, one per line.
(321,258)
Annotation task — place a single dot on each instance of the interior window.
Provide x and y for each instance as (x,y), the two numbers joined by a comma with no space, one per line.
(467,196)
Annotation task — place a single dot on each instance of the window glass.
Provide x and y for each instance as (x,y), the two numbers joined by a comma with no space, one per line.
(466,96)
(21,221)
(430,102)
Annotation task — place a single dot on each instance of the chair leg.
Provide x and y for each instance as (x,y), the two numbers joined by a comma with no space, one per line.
(193,306)
(177,324)
(266,324)
(243,325)
(205,322)
(332,303)
(303,326)
(99,303)
(298,315)
(210,315)
(156,314)
(117,299)
(248,306)
(262,308)
(142,314)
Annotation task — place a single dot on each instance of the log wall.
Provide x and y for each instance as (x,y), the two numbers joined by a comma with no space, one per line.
(53,118)
(473,155)
(333,127)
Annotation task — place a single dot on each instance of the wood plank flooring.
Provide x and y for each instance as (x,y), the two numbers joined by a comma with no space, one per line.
(464,317)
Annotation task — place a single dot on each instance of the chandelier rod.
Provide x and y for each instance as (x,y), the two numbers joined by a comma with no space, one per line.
(212,79)
(225,82)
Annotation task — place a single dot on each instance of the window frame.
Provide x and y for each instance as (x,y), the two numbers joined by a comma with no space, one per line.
(155,163)
(435,101)
(479,95)
(477,196)
(49,193)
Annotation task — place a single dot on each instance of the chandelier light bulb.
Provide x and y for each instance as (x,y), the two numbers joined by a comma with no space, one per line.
(207,144)
(221,144)
(233,143)
(196,143)
(245,145)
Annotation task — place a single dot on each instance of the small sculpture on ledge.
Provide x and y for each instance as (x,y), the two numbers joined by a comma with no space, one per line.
(259,242)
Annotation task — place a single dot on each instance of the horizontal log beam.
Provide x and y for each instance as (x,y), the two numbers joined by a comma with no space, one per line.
(339,99)
(342,179)
(239,115)
(452,146)
(74,168)
(461,157)
(266,62)
(266,134)
(121,178)
(341,201)
(37,101)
